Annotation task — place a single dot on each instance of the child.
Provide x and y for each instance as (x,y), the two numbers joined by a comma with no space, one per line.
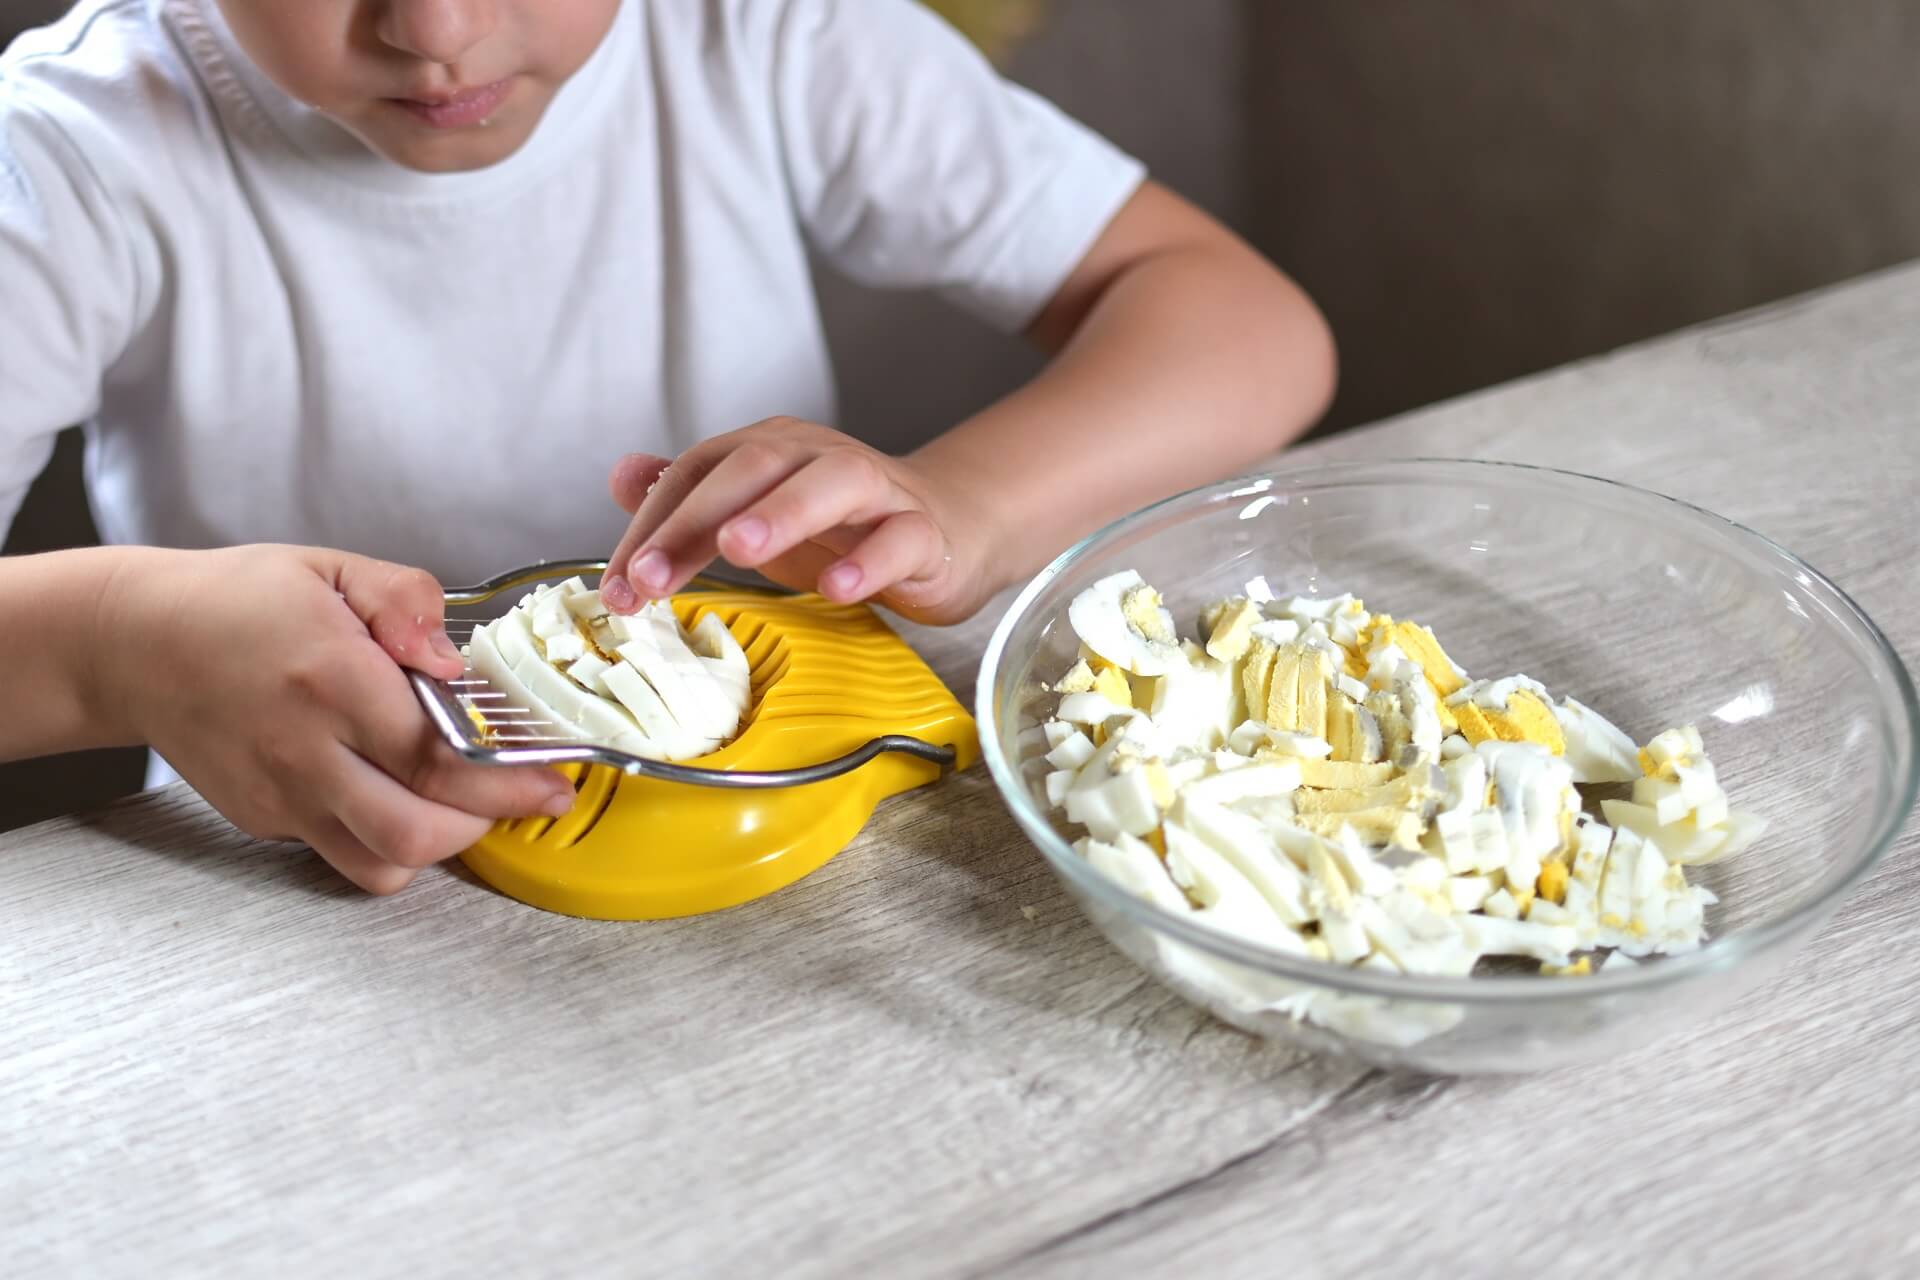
(404,279)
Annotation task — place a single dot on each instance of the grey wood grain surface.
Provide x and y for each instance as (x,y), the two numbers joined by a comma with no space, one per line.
(217,1058)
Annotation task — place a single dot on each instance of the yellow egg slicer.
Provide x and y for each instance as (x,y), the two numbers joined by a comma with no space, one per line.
(842,714)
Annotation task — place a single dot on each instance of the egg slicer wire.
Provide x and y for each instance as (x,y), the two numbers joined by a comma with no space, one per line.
(842,715)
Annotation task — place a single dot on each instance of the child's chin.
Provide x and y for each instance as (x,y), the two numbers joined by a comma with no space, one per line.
(416,147)
(456,155)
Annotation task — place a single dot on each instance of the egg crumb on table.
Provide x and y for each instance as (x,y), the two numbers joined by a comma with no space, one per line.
(1328,783)
(572,671)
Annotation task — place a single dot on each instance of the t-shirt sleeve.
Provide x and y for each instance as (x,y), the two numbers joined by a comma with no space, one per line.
(914,165)
(67,293)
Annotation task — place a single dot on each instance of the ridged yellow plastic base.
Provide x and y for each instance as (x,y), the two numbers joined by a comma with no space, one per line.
(827,678)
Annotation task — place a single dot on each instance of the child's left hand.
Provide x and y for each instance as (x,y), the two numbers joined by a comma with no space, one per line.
(806,506)
(1179,355)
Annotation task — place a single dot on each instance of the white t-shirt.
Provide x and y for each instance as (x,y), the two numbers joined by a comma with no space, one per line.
(271,334)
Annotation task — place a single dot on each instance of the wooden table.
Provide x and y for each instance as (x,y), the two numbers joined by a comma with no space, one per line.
(921,1061)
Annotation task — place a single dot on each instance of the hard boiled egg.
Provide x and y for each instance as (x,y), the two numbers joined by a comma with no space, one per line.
(641,684)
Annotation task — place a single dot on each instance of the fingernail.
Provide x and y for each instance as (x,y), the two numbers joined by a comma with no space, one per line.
(749,533)
(841,580)
(617,593)
(651,568)
(443,647)
(559,806)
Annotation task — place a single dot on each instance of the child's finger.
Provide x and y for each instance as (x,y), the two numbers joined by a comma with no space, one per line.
(633,476)
(404,610)
(397,825)
(386,726)
(352,859)
(686,540)
(489,791)
(840,487)
(903,547)
(664,493)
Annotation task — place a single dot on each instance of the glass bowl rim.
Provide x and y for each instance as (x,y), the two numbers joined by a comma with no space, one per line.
(1718,955)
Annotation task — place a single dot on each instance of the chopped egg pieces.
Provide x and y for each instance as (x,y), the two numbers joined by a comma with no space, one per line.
(1326,781)
(575,672)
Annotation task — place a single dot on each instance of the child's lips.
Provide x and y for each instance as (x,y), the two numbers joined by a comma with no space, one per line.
(459,110)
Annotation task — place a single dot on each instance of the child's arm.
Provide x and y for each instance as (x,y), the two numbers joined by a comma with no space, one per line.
(254,671)
(1181,356)
(270,678)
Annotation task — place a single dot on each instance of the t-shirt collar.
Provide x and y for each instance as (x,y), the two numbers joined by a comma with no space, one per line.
(265,115)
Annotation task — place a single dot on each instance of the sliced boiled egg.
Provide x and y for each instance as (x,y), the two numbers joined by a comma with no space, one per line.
(640,684)
(1596,749)
(1122,620)
(1330,782)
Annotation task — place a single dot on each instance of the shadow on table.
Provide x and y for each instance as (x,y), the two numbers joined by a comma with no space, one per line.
(174,824)
(1007,932)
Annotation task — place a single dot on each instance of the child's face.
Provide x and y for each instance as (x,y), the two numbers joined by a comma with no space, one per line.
(435,85)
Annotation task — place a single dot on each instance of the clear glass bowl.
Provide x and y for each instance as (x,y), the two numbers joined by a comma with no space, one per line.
(1654,612)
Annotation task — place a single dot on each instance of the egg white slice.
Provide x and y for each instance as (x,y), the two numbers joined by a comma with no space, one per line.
(1415,937)
(688,704)
(1122,802)
(1616,888)
(1247,782)
(1469,893)
(586,605)
(1650,892)
(1530,788)
(1199,704)
(1472,843)
(1135,868)
(643,702)
(1597,750)
(549,694)
(1089,709)
(714,641)
(1683,842)
(1247,849)
(504,655)
(1364,871)
(1466,784)
(569,647)
(586,672)
(1306,609)
(1072,751)
(721,718)
(1428,875)
(1228,900)
(1346,938)
(1250,736)
(1098,616)
(1276,631)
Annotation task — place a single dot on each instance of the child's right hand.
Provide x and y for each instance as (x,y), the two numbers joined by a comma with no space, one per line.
(270,678)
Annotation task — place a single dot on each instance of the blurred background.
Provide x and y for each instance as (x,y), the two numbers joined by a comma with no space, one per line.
(1471,190)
